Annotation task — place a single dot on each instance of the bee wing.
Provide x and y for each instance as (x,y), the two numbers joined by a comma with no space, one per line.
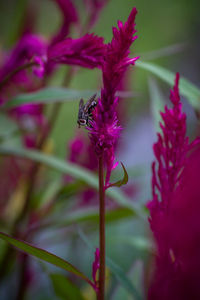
(89,102)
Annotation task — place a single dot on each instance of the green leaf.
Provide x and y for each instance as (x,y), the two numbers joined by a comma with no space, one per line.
(123,279)
(139,243)
(157,103)
(90,215)
(75,171)
(49,95)
(187,89)
(122,181)
(7,126)
(43,255)
(64,288)
(56,94)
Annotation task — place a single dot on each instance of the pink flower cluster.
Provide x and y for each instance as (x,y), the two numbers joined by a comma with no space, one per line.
(104,130)
(174,208)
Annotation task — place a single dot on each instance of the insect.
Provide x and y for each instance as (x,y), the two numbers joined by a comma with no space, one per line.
(85,111)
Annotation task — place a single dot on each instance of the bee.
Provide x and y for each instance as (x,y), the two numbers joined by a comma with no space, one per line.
(85,111)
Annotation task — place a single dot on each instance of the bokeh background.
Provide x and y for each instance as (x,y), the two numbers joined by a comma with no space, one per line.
(168,35)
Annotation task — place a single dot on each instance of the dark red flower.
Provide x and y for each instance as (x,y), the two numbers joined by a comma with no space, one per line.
(175,193)
(105,130)
(87,51)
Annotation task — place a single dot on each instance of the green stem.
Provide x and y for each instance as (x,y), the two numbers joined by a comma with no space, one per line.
(101,230)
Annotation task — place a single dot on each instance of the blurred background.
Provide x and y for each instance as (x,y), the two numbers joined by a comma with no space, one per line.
(168,35)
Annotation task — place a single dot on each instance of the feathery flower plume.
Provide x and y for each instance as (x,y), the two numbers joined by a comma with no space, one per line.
(29,46)
(104,130)
(171,151)
(87,51)
(177,271)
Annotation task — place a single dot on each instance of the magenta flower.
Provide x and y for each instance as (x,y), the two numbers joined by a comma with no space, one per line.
(105,130)
(177,270)
(29,46)
(87,51)
(95,268)
(171,152)
(168,183)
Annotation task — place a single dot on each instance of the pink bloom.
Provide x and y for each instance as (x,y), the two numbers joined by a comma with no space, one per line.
(86,51)
(95,268)
(104,130)
(29,45)
(170,151)
(177,270)
(168,183)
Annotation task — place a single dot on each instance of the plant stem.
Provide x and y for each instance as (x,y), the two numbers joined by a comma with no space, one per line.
(101,230)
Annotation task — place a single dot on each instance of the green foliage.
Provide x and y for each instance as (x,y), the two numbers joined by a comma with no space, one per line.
(49,95)
(72,169)
(187,89)
(122,181)
(64,288)
(43,255)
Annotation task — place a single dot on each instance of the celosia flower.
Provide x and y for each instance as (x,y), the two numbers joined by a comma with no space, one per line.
(87,51)
(70,16)
(104,130)
(29,45)
(95,268)
(171,152)
(177,271)
(168,183)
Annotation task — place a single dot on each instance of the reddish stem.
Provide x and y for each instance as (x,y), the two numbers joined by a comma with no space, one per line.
(100,295)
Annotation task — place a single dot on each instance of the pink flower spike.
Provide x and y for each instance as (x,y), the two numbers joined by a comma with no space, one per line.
(95,268)
(171,185)
(87,51)
(104,129)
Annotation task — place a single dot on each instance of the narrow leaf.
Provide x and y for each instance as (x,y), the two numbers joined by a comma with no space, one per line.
(43,255)
(56,94)
(64,288)
(122,181)
(187,89)
(123,279)
(87,215)
(49,95)
(73,170)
